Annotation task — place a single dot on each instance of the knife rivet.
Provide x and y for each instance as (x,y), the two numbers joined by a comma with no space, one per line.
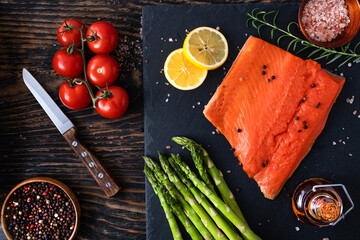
(108,185)
(91,164)
(74,143)
(83,154)
(100,175)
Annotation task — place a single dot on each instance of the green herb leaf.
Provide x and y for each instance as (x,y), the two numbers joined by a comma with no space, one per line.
(333,60)
(314,52)
(301,50)
(356,59)
(347,59)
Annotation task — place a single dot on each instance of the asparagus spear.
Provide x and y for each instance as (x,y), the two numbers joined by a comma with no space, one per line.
(200,165)
(190,228)
(198,152)
(218,203)
(190,213)
(210,225)
(169,215)
(221,222)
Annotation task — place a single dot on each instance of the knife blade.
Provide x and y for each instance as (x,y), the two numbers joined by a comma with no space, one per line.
(68,130)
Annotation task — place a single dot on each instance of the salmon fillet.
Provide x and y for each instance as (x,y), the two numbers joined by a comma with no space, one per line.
(271,107)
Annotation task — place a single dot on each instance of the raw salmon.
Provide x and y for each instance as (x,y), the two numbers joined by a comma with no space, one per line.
(271,107)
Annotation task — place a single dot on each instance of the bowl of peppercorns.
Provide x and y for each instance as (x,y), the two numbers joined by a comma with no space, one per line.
(40,208)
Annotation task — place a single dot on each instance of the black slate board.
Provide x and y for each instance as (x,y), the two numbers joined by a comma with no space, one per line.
(170,112)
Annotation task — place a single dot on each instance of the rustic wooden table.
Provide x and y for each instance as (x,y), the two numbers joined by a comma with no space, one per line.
(30,145)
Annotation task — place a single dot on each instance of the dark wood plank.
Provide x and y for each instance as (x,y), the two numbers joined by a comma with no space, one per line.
(30,145)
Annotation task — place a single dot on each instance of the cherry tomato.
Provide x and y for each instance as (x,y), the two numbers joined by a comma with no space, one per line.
(68,65)
(108,37)
(76,97)
(115,106)
(102,70)
(66,37)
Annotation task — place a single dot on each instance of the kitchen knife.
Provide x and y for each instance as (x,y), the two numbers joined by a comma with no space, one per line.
(68,130)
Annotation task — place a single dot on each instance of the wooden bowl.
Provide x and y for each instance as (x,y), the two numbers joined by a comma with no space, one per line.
(55,182)
(349,32)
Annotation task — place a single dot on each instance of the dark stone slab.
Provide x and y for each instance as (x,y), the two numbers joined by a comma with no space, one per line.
(170,112)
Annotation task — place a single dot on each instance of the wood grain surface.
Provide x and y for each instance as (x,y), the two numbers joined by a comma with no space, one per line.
(31,146)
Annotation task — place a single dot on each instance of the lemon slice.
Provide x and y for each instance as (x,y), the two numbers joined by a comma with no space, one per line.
(181,73)
(206,48)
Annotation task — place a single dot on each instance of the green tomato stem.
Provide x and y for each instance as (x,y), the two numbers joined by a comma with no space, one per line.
(105,94)
(93,99)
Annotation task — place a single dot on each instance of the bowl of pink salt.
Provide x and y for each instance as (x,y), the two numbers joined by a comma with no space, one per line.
(329,23)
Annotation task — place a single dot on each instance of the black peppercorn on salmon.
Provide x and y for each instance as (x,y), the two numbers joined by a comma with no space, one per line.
(271,107)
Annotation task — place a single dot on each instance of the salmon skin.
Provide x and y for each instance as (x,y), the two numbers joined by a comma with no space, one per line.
(271,107)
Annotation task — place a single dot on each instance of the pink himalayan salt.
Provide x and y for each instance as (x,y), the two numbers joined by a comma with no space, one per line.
(324,20)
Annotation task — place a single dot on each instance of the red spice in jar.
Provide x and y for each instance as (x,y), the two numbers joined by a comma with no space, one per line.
(324,20)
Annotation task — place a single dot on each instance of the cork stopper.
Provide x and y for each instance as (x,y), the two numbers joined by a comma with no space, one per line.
(325,208)
(329,211)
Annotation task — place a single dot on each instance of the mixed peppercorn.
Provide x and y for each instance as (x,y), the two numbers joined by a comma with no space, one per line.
(263,73)
(303,100)
(40,211)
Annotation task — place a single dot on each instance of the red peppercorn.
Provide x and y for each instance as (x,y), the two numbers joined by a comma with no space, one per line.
(32,226)
(51,188)
(31,216)
(64,216)
(28,199)
(44,193)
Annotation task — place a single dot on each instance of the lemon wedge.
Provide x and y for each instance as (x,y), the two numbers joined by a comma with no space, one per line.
(206,47)
(181,73)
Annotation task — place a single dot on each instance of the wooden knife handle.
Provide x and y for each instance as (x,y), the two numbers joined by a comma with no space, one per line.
(99,173)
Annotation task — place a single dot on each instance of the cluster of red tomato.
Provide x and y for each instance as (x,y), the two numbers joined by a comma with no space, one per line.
(102,70)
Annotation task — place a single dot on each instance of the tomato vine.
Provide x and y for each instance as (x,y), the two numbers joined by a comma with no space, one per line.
(105,93)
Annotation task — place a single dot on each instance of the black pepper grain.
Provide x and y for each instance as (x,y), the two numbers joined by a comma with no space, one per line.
(299,130)
(264,66)
(268,80)
(239,130)
(296,118)
(305,127)
(265,163)
(304,122)
(263,73)
(313,85)
(317,106)
(273,77)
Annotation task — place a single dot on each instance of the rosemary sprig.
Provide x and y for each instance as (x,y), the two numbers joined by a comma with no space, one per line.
(259,19)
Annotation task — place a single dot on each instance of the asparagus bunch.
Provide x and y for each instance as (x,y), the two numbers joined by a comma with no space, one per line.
(207,220)
(219,220)
(189,211)
(194,201)
(218,203)
(159,190)
(199,154)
